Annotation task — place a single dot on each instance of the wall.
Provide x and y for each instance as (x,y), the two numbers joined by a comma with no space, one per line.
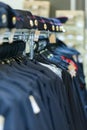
(64,5)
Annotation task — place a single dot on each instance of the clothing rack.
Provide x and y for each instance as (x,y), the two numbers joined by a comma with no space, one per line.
(18,31)
(19,18)
(42,83)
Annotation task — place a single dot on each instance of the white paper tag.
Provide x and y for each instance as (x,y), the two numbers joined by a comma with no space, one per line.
(72,73)
(37,34)
(52,38)
(72,70)
(2,122)
(35,107)
(27,49)
(12,35)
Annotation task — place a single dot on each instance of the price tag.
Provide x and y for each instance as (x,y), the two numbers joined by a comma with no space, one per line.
(72,70)
(37,34)
(52,38)
(27,48)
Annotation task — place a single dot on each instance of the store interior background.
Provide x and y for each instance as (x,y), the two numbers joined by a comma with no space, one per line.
(76,27)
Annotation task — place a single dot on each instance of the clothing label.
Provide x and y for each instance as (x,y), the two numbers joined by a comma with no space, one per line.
(52,38)
(36,37)
(35,107)
(2,122)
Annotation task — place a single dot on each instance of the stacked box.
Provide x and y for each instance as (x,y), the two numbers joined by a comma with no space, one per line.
(40,8)
(85,55)
(74,35)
